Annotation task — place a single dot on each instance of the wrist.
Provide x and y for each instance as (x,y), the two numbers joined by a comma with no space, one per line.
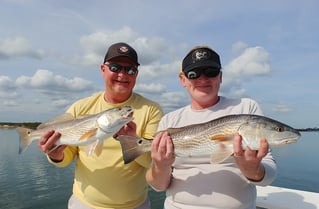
(56,159)
(257,175)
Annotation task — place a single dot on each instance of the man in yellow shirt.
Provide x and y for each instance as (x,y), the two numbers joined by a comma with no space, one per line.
(104,181)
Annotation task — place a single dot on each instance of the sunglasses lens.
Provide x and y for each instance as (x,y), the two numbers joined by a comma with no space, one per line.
(114,67)
(131,70)
(193,74)
(208,72)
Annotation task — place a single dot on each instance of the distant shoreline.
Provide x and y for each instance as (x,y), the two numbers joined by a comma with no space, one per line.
(6,125)
(33,125)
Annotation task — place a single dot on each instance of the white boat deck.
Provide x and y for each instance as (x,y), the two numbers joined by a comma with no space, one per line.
(271,197)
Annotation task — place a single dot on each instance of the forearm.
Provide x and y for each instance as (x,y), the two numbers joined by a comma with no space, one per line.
(270,172)
(254,174)
(159,179)
(264,174)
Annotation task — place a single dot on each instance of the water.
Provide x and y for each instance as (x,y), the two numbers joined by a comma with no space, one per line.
(28,181)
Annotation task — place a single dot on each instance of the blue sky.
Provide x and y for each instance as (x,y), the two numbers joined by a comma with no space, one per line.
(51,51)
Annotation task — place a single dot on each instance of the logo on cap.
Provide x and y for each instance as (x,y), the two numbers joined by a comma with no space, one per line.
(199,55)
(123,49)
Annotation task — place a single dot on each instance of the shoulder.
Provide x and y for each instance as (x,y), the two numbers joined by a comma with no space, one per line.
(174,118)
(240,105)
(238,101)
(141,100)
(82,105)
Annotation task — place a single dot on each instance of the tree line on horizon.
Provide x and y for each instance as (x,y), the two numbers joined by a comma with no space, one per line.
(32,125)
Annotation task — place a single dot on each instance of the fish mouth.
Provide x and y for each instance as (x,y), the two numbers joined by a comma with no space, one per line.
(290,140)
(128,113)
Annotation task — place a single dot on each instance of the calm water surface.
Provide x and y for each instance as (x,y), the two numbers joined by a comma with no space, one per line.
(28,181)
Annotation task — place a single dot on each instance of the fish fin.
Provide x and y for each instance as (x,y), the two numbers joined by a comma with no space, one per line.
(99,147)
(221,153)
(61,118)
(131,147)
(88,134)
(25,140)
(174,130)
(91,148)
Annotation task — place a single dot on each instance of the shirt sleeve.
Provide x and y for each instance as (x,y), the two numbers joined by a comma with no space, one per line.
(270,167)
(69,154)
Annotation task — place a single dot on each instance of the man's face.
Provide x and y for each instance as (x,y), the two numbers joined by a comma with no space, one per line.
(202,89)
(122,81)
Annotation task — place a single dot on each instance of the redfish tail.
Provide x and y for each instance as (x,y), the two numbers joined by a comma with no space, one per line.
(25,140)
(131,147)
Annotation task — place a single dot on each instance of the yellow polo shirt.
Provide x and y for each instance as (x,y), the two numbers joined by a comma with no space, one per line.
(104,181)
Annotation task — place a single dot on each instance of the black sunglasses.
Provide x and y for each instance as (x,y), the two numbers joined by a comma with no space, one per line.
(116,68)
(197,72)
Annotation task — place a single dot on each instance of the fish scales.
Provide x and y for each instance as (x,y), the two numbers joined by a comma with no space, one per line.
(196,140)
(215,138)
(86,130)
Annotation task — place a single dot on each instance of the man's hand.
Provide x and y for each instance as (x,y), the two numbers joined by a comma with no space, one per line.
(47,145)
(249,161)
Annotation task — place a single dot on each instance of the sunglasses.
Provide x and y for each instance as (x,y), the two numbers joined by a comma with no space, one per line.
(197,72)
(116,68)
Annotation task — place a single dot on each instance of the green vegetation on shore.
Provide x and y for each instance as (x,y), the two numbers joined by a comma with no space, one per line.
(32,125)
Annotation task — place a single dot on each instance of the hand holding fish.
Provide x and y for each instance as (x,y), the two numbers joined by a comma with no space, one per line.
(162,153)
(128,129)
(47,145)
(249,161)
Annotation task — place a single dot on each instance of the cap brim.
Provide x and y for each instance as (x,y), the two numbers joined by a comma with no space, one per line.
(110,58)
(207,63)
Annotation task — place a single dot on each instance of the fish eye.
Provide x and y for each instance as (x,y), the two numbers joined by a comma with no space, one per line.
(279,129)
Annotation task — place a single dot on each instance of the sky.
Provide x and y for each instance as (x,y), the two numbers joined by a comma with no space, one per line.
(51,52)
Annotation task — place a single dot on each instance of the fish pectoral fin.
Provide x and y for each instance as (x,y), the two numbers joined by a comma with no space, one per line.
(221,153)
(95,147)
(88,134)
(99,147)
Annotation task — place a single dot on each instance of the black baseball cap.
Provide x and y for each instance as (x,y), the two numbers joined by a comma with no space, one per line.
(201,56)
(121,50)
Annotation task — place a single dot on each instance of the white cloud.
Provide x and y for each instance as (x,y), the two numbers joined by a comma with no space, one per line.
(96,44)
(150,88)
(18,47)
(251,62)
(281,107)
(47,81)
(172,100)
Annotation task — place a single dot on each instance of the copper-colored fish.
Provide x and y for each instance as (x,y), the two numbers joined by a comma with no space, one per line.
(87,130)
(214,138)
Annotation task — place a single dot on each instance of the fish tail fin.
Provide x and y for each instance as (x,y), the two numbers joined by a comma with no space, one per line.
(131,147)
(25,140)
(221,153)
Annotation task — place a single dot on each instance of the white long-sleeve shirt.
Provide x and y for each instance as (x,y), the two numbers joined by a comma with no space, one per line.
(198,184)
